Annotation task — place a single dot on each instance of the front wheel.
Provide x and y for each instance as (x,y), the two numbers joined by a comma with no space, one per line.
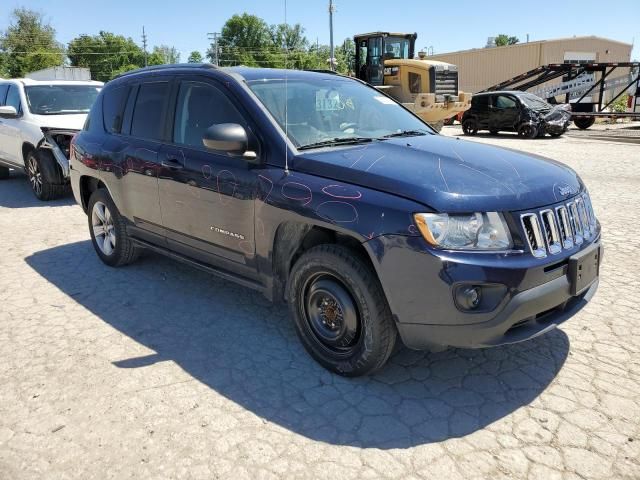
(526,130)
(340,312)
(108,231)
(45,176)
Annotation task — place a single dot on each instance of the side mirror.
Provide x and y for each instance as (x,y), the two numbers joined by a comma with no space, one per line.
(229,138)
(8,112)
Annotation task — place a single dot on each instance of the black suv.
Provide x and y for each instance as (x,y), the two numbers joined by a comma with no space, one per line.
(528,115)
(321,191)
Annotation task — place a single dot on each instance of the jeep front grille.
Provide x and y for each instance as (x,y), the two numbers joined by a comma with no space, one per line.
(550,231)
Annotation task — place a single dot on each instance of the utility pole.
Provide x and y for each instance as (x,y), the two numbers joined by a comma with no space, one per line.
(214,36)
(332,54)
(144,45)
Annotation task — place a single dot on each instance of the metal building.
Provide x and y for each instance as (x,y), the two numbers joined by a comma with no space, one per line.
(480,68)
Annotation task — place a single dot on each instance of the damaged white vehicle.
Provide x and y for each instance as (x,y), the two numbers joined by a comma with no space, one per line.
(37,121)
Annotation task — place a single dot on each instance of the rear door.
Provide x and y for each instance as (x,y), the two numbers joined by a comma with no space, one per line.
(206,197)
(143,133)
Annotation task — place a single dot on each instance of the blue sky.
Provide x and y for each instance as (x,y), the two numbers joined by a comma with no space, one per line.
(447,27)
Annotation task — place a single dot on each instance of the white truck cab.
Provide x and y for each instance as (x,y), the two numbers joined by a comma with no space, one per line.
(37,121)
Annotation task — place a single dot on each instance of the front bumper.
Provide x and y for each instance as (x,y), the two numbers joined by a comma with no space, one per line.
(535,295)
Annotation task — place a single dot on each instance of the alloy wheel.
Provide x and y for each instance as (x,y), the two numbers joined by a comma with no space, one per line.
(35,176)
(103,228)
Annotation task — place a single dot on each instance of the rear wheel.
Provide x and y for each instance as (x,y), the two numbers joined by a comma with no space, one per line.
(527,130)
(470,127)
(44,175)
(340,311)
(4,173)
(584,123)
(109,232)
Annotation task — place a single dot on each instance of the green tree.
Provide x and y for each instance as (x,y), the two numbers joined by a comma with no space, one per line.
(105,54)
(195,57)
(244,40)
(502,40)
(163,54)
(29,44)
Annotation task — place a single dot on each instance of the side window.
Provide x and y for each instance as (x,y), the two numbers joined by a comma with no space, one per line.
(199,106)
(13,98)
(414,82)
(502,101)
(113,102)
(480,103)
(3,93)
(148,119)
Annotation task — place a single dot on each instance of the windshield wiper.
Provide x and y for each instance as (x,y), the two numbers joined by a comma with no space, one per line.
(337,141)
(406,133)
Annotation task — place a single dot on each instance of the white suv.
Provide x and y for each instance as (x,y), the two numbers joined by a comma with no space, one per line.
(37,121)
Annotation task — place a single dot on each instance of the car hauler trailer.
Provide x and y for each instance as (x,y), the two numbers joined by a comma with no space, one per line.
(590,92)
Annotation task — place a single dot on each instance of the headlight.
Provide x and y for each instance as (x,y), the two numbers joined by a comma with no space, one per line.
(474,231)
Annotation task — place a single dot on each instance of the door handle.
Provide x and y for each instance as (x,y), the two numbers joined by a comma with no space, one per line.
(172,163)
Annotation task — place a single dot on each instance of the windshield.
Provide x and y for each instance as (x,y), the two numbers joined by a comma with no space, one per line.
(322,110)
(60,99)
(396,48)
(534,102)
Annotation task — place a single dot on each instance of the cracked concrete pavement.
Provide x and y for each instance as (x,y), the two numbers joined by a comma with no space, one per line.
(157,370)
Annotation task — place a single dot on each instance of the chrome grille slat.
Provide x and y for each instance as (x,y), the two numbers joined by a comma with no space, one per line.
(549,231)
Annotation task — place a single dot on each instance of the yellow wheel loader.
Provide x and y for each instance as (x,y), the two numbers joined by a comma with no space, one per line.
(427,87)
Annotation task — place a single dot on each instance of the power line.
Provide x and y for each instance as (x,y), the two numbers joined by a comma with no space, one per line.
(214,36)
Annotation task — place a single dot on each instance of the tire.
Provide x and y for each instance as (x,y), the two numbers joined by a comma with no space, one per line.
(470,127)
(527,131)
(584,123)
(340,312)
(4,173)
(437,126)
(114,247)
(45,176)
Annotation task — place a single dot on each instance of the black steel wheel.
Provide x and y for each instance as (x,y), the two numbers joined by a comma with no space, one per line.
(526,130)
(339,310)
(470,127)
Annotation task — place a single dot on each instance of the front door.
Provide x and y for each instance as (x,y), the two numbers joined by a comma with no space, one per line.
(505,113)
(206,197)
(375,61)
(10,137)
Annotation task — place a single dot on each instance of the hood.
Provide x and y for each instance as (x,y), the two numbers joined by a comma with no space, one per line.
(72,122)
(447,174)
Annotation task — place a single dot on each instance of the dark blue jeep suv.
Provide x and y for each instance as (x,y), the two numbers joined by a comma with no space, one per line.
(323,192)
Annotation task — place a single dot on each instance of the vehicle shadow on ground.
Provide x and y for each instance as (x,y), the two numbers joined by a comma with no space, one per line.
(15,192)
(243,347)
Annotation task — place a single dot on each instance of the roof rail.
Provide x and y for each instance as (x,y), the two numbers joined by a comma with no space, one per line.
(166,67)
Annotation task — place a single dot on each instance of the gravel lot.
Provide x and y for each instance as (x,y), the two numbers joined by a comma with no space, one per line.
(160,371)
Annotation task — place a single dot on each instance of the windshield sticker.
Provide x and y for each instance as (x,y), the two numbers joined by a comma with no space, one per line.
(385,100)
(331,101)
